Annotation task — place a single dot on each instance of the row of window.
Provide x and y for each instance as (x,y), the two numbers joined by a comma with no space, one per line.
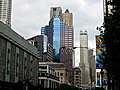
(66,39)
(58,74)
(17,64)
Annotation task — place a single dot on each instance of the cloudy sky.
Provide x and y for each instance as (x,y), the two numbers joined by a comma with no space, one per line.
(28,16)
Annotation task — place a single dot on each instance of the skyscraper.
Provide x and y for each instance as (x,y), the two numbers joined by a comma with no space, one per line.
(44,49)
(92,65)
(67,17)
(67,40)
(53,31)
(67,33)
(84,64)
(60,35)
(5,11)
(55,12)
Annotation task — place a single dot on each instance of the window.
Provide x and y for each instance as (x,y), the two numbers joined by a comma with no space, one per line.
(70,32)
(61,74)
(58,73)
(70,35)
(8,62)
(43,67)
(77,76)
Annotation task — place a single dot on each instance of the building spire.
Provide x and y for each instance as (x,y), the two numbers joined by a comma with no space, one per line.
(67,11)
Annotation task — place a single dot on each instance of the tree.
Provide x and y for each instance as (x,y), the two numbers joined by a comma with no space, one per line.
(111,37)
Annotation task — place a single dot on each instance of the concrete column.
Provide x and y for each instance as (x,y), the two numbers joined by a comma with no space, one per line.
(6,75)
(52,84)
(55,84)
(44,83)
(48,84)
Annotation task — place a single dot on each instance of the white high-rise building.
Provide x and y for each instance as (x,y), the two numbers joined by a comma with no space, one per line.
(84,64)
(5,11)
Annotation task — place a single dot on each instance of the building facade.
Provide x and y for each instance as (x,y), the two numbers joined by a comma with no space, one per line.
(18,59)
(61,72)
(66,57)
(47,77)
(5,11)
(67,43)
(48,30)
(77,77)
(60,34)
(55,12)
(92,65)
(84,63)
(67,18)
(41,43)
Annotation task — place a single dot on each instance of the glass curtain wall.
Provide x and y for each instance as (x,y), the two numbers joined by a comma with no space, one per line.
(56,39)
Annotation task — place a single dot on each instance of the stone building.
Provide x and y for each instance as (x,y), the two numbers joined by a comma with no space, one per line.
(77,77)
(18,58)
(61,72)
(47,77)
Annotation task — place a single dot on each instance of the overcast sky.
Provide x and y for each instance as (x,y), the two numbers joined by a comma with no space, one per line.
(28,16)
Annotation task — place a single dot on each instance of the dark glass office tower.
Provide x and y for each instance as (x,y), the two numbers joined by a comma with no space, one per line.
(44,48)
(48,30)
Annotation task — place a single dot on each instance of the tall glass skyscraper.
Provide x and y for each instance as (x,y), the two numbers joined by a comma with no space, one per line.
(60,35)
(5,11)
(53,31)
